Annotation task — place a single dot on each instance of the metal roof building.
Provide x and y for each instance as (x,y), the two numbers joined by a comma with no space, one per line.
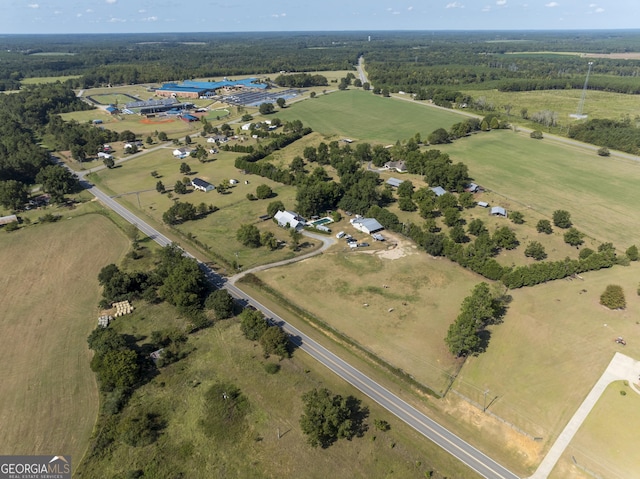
(395,182)
(438,190)
(367,225)
(498,211)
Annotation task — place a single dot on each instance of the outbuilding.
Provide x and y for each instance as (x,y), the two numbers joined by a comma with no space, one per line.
(438,190)
(366,225)
(202,185)
(395,182)
(498,211)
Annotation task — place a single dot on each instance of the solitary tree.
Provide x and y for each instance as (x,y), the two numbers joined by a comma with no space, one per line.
(187,140)
(249,235)
(613,297)
(281,102)
(185,169)
(535,250)
(632,253)
(266,108)
(536,135)
(544,226)
(180,188)
(264,191)
(162,136)
(275,341)
(160,187)
(274,207)
(517,217)
(562,219)
(573,237)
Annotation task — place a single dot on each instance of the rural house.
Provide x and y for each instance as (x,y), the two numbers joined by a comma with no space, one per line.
(289,219)
(180,153)
(399,166)
(200,184)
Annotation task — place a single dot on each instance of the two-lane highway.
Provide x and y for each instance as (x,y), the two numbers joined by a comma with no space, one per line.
(466,453)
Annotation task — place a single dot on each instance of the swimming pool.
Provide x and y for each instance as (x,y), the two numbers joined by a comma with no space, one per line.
(322,221)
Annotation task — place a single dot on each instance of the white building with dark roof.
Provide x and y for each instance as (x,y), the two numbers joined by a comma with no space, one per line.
(202,185)
(366,225)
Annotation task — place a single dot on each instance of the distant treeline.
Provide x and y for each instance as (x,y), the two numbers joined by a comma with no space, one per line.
(622,135)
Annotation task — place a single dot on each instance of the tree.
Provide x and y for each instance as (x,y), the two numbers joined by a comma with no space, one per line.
(457,234)
(505,237)
(162,136)
(275,341)
(185,169)
(535,250)
(281,102)
(249,235)
(476,227)
(604,151)
(366,86)
(405,189)
(57,181)
(406,204)
(613,297)
(109,162)
(149,140)
(536,135)
(13,194)
(187,140)
(275,206)
(517,217)
(573,237)
(297,165)
(632,253)
(160,187)
(180,188)
(466,200)
(544,226)
(221,302)
(266,108)
(295,236)
(562,219)
(327,418)
(451,216)
(264,191)
(252,324)
(438,136)
(139,428)
(116,368)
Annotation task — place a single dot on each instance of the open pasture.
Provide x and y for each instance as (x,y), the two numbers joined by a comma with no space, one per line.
(397,303)
(598,104)
(606,444)
(49,398)
(361,115)
(555,342)
(600,193)
(136,187)
(43,80)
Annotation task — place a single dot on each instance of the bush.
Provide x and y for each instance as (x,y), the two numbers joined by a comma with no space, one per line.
(613,297)
(604,151)
(544,226)
(535,250)
(139,428)
(11,226)
(271,368)
(517,217)
(562,219)
(536,135)
(573,237)
(632,253)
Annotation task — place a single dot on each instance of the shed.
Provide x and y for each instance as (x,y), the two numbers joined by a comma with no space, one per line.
(233,181)
(395,182)
(111,109)
(5,220)
(97,122)
(498,211)
(483,204)
(202,185)
(438,190)
(105,156)
(472,188)
(377,237)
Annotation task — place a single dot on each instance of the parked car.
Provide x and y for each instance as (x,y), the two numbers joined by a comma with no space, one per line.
(362,245)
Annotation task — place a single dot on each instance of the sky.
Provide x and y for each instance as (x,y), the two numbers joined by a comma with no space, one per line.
(142,16)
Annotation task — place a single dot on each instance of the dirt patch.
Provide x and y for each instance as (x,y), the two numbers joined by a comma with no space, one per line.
(616,56)
(156,121)
(397,248)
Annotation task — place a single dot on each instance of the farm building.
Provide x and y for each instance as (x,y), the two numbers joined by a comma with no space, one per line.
(377,237)
(366,225)
(498,211)
(289,219)
(5,220)
(395,182)
(97,122)
(246,126)
(233,181)
(202,185)
(181,152)
(472,188)
(399,166)
(483,204)
(111,109)
(438,190)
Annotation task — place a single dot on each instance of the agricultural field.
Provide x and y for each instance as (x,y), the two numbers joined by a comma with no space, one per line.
(555,342)
(598,104)
(361,115)
(606,444)
(42,80)
(222,354)
(543,175)
(49,398)
(135,186)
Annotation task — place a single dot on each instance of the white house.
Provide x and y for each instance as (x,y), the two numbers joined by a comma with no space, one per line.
(289,219)
(233,181)
(366,225)
(246,126)
(104,156)
(200,184)
(180,153)
(399,166)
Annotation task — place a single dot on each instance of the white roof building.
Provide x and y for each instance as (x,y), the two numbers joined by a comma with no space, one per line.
(289,219)
(366,225)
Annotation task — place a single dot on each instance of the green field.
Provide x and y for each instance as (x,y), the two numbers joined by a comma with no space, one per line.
(598,104)
(49,398)
(600,193)
(111,98)
(364,116)
(606,444)
(217,230)
(222,354)
(42,80)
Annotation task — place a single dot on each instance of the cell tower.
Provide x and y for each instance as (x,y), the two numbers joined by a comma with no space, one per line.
(579,115)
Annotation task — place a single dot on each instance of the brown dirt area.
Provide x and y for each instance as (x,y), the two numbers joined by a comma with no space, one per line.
(616,56)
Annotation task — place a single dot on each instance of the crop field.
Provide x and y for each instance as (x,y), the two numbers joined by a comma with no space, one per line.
(136,187)
(598,104)
(600,193)
(607,441)
(222,354)
(555,342)
(364,116)
(49,398)
(397,303)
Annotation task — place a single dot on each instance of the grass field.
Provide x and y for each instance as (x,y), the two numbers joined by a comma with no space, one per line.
(112,98)
(222,354)
(49,398)
(42,80)
(598,104)
(218,229)
(600,193)
(135,123)
(555,343)
(364,116)
(606,444)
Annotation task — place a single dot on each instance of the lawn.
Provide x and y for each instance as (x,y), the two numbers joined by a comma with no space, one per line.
(364,116)
(49,398)
(112,98)
(42,80)
(600,193)
(136,186)
(555,342)
(607,442)
(222,354)
(397,303)
(598,104)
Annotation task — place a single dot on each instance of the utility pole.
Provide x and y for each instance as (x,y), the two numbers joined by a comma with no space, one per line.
(484,404)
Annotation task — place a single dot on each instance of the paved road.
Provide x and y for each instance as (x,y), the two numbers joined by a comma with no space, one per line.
(466,453)
(361,71)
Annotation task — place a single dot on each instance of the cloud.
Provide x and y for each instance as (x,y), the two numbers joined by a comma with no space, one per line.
(33,5)
(454,5)
(593,5)
(599,10)
(486,8)
(150,19)
(501,2)
(117,20)
(142,10)
(410,8)
(89,10)
(552,4)
(279,15)
(111,2)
